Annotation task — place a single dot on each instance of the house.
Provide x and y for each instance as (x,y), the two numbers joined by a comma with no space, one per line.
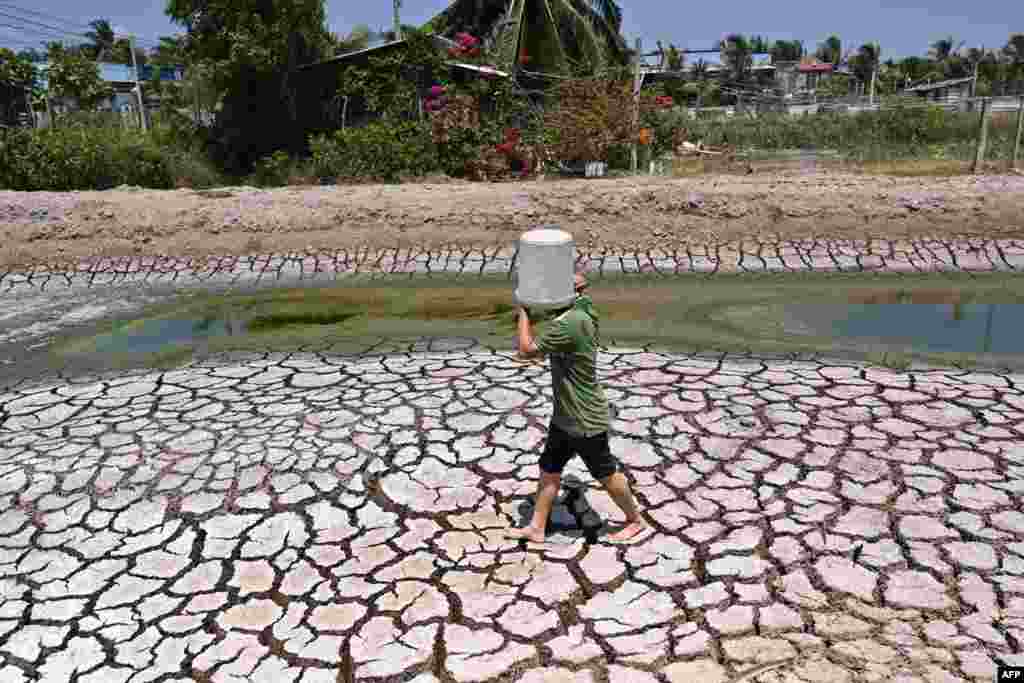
(806,75)
(121,79)
(319,109)
(950,91)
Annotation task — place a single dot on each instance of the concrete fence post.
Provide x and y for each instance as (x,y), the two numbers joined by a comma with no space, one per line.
(1020,129)
(633,157)
(979,156)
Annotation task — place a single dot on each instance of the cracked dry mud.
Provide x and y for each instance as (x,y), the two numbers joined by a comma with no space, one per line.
(339,517)
(305,517)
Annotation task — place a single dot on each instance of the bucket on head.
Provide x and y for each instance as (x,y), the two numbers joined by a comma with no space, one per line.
(545,269)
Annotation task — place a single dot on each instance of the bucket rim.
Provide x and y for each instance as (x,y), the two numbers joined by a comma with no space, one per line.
(546,236)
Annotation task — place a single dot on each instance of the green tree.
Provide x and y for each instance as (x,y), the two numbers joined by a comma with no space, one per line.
(737,56)
(830,50)
(787,51)
(102,41)
(250,49)
(1014,49)
(170,50)
(945,53)
(32,55)
(546,36)
(17,85)
(357,39)
(864,63)
(759,45)
(73,76)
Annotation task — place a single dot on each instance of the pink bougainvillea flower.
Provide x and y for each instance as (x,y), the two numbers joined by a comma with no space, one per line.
(437,90)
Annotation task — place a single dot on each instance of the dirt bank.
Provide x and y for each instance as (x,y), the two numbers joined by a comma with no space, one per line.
(647,212)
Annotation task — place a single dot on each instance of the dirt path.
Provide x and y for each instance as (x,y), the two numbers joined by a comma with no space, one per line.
(646,212)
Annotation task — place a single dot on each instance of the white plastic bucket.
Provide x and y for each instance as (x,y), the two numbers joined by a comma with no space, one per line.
(545,269)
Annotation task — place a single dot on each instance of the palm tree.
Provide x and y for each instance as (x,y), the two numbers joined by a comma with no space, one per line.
(787,51)
(357,39)
(865,63)
(736,55)
(945,52)
(546,36)
(103,39)
(1014,49)
(942,49)
(170,50)
(830,50)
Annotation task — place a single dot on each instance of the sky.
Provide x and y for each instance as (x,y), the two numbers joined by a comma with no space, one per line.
(901,27)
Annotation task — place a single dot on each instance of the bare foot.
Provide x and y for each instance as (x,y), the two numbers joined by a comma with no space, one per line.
(628,532)
(526,533)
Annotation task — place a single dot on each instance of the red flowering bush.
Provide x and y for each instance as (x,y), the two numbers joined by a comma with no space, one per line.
(468,46)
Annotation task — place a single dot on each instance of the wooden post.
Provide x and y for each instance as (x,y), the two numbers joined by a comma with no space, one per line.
(979,156)
(344,111)
(1020,129)
(633,159)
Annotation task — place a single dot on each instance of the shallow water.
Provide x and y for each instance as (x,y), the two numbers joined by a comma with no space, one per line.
(974,327)
(155,335)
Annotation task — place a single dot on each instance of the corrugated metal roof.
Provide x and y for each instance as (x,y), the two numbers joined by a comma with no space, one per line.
(814,68)
(940,84)
(479,69)
(440,41)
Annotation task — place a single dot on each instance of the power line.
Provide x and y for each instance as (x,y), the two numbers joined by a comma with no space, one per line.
(49,17)
(56,29)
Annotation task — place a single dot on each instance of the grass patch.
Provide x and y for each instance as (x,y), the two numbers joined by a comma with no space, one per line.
(281,320)
(916,168)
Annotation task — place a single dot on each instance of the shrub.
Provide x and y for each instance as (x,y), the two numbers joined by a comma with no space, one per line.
(381,150)
(274,170)
(896,131)
(93,151)
(79,157)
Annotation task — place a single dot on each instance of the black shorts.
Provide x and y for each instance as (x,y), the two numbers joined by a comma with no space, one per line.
(562,446)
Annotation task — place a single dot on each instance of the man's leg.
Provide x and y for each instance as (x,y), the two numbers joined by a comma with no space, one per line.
(557,452)
(603,467)
(617,487)
(547,491)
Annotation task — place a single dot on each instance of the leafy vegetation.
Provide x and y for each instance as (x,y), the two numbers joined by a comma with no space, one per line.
(890,133)
(87,152)
(240,58)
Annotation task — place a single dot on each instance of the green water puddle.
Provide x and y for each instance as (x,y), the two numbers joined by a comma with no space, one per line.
(937,318)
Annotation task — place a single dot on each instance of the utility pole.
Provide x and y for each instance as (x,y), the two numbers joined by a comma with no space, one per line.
(1020,130)
(398,26)
(135,73)
(633,159)
(138,85)
(974,81)
(979,156)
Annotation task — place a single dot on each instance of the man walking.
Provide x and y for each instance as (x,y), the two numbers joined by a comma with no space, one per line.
(579,424)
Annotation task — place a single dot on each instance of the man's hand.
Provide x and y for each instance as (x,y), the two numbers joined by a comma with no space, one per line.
(527,347)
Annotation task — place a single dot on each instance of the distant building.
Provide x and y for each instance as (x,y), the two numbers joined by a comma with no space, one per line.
(802,76)
(122,81)
(951,90)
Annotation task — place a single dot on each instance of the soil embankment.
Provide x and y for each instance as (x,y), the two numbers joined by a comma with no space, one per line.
(51,228)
